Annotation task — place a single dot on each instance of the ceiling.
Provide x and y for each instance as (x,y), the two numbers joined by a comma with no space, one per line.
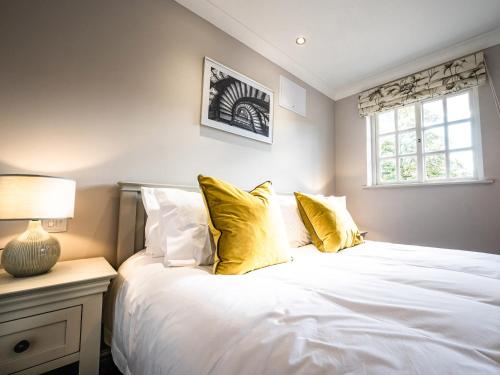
(354,45)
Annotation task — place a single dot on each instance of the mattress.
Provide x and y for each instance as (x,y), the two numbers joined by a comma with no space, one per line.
(377,308)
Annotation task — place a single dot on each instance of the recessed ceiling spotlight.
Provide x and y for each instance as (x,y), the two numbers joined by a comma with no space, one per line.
(300,40)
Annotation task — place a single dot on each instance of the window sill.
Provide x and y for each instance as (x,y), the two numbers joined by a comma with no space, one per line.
(425,184)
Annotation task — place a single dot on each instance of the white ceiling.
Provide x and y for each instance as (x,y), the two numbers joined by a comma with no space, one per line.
(353,45)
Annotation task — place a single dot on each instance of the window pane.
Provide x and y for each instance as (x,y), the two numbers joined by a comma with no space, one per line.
(408,168)
(407,143)
(459,135)
(388,170)
(461,164)
(433,113)
(386,123)
(434,139)
(435,166)
(458,107)
(387,145)
(406,117)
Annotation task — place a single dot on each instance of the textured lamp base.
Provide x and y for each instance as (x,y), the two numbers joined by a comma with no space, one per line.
(32,253)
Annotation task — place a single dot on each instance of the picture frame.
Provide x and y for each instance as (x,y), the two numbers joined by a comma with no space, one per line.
(235,103)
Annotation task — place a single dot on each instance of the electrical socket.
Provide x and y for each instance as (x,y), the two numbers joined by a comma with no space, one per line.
(55,225)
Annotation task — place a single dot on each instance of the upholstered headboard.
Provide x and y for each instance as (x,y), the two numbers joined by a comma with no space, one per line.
(132,218)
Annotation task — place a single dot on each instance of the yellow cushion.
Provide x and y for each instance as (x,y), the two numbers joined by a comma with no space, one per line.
(330,225)
(247,227)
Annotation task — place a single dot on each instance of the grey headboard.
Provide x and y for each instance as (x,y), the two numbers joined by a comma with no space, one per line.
(132,218)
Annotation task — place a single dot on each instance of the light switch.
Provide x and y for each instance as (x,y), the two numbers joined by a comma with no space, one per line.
(55,225)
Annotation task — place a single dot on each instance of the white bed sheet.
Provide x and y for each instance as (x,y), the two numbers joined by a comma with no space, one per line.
(378,308)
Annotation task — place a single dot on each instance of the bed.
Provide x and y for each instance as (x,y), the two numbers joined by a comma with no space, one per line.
(377,308)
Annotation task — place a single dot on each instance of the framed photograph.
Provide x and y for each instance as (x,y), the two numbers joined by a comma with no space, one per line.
(235,103)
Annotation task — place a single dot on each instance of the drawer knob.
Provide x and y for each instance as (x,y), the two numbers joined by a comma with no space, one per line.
(22,346)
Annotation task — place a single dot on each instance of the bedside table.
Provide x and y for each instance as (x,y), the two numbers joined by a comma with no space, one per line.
(51,320)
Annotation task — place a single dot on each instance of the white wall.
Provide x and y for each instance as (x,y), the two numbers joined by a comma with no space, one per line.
(103,91)
(464,217)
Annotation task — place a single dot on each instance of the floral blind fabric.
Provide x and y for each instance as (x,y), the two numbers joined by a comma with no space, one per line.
(456,75)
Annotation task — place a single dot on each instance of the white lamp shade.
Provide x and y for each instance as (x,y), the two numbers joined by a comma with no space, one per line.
(36,197)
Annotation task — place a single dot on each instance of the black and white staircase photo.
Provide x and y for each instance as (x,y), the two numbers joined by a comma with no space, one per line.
(238,104)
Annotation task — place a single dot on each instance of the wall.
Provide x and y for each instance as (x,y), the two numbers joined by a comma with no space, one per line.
(103,92)
(463,217)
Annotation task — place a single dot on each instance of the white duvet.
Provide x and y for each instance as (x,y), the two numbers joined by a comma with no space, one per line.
(377,308)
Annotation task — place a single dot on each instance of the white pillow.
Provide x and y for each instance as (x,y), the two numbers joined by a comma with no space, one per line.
(152,229)
(297,233)
(184,233)
(342,201)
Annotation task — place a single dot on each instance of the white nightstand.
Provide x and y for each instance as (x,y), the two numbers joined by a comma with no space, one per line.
(51,320)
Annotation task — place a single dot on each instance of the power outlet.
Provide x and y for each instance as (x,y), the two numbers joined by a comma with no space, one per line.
(55,225)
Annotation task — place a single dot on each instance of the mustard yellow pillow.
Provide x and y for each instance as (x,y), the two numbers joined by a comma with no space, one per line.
(247,227)
(330,225)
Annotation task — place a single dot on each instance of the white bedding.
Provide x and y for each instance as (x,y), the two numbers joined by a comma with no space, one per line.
(377,308)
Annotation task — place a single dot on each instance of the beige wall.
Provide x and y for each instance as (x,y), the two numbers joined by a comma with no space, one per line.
(107,91)
(464,217)
(102,91)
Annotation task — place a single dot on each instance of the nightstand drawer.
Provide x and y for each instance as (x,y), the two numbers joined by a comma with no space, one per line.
(40,338)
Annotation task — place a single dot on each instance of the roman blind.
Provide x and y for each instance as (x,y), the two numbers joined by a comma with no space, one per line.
(455,75)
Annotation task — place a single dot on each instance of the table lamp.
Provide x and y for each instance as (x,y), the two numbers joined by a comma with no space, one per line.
(33,198)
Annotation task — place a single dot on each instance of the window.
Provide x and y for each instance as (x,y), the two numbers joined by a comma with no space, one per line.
(436,140)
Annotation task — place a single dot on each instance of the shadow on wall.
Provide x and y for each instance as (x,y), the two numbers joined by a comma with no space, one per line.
(327,187)
(233,139)
(93,230)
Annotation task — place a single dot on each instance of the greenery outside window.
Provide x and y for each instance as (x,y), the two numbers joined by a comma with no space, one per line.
(436,140)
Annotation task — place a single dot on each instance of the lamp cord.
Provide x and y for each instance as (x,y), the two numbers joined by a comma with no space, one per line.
(492,87)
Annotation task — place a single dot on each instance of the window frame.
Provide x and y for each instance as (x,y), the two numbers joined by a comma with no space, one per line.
(373,158)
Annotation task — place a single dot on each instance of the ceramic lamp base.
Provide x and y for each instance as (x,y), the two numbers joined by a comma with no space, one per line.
(32,253)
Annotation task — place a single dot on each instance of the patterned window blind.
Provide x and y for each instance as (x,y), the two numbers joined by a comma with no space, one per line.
(456,75)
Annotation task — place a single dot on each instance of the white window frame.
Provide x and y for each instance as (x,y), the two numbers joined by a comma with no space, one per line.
(372,137)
